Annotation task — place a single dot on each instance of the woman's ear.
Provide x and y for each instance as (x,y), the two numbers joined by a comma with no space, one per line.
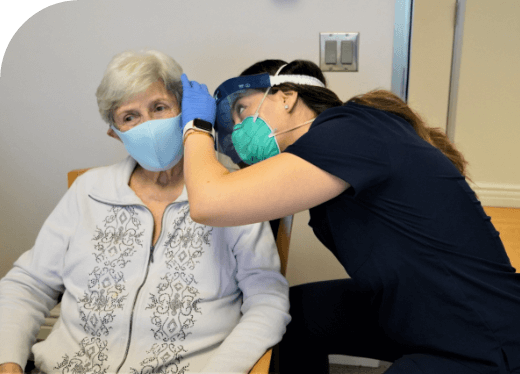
(113,134)
(289,99)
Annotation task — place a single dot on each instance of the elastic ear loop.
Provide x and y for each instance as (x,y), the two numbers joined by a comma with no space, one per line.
(266,92)
(273,133)
(255,117)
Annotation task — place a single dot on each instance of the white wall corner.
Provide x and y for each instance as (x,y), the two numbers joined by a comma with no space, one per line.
(498,195)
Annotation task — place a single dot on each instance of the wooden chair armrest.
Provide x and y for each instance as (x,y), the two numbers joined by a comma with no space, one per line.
(262,365)
(72,175)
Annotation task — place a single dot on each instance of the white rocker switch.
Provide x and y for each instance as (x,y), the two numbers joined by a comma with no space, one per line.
(331,52)
(347,52)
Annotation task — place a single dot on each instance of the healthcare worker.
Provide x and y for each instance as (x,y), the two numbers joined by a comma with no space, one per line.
(431,290)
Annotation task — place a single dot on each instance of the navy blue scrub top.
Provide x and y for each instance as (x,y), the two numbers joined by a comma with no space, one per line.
(411,232)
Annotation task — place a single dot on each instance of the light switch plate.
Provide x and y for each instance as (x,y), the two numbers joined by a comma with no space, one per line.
(348,54)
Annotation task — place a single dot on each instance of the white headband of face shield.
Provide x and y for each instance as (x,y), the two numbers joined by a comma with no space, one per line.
(279,79)
(297,79)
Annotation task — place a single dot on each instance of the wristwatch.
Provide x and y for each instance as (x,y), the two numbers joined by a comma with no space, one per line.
(199,125)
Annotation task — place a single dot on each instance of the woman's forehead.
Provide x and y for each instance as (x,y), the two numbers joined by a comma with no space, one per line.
(156,91)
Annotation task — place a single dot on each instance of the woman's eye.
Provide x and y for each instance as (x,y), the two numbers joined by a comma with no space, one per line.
(160,108)
(128,118)
(240,109)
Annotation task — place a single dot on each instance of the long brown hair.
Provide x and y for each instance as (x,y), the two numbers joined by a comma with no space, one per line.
(389,102)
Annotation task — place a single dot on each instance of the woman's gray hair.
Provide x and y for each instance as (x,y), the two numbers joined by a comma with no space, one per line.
(130,73)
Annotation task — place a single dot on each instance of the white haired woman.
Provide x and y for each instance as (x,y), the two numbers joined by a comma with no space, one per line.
(145,288)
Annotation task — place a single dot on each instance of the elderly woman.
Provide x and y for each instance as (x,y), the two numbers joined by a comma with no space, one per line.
(145,288)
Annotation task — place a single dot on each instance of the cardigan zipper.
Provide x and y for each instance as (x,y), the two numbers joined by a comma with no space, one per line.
(150,260)
(132,315)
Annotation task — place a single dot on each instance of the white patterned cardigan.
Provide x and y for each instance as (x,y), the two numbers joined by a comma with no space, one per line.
(203,299)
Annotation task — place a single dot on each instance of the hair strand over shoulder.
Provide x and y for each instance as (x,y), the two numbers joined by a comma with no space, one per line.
(389,102)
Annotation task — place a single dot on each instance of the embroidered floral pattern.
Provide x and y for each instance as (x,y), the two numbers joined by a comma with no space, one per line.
(114,246)
(176,302)
(165,358)
(89,359)
(185,243)
(104,297)
(115,242)
(174,307)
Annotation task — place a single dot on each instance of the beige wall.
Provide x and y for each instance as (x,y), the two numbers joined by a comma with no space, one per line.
(488,105)
(487,116)
(309,260)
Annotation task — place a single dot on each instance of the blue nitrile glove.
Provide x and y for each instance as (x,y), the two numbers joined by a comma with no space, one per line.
(196,102)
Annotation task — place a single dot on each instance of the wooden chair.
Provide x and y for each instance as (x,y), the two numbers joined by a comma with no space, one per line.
(282,231)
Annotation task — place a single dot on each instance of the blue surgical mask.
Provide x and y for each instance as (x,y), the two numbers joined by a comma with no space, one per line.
(156,145)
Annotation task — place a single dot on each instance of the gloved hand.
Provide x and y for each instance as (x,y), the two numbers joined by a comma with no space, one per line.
(196,102)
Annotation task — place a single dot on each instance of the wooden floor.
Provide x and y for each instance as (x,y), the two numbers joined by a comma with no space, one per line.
(507,222)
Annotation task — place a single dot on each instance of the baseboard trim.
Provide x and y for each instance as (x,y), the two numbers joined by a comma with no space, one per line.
(498,195)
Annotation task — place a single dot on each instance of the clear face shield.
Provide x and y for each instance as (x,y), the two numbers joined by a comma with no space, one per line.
(229,92)
(226,95)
